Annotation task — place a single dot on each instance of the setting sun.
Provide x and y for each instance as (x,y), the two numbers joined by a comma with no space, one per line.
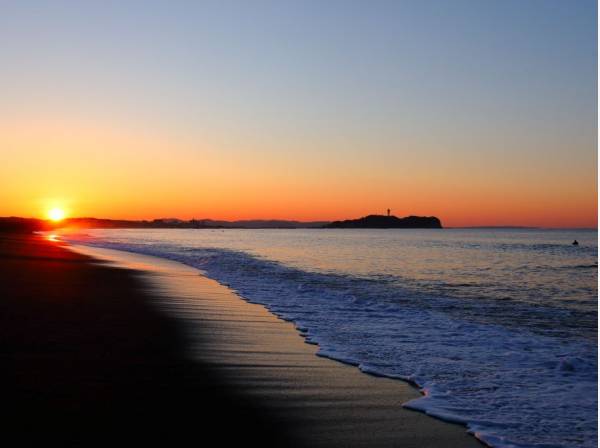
(56,214)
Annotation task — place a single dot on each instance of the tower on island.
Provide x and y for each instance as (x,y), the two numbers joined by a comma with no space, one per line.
(389,212)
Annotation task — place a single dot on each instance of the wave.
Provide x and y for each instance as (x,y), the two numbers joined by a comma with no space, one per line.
(583,266)
(510,386)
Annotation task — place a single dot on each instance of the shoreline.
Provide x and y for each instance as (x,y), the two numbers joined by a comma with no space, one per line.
(88,361)
(138,349)
(310,393)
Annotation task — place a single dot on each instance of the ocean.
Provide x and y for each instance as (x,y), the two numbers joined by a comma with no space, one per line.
(497,327)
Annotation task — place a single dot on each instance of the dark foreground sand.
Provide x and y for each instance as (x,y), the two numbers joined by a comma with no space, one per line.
(88,359)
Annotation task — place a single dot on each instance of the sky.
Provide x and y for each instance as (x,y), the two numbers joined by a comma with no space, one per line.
(478,112)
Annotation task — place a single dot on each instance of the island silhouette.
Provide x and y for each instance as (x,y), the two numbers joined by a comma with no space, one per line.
(387,222)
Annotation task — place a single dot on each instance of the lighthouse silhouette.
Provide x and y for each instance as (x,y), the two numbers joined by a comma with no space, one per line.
(389,212)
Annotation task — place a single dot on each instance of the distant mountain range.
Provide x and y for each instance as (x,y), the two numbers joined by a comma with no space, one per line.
(16,224)
(175,223)
(372,221)
(388,222)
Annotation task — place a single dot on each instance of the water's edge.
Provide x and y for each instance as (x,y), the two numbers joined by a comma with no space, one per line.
(336,322)
(300,332)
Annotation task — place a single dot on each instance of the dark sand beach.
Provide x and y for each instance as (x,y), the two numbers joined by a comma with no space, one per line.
(86,360)
(89,358)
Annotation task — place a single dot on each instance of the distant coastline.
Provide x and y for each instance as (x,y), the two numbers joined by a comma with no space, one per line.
(372,221)
(33,224)
(27,225)
(175,223)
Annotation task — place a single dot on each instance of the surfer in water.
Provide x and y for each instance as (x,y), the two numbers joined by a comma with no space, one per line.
(575,243)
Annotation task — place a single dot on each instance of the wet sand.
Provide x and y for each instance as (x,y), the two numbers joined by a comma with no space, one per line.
(318,401)
(87,361)
(143,350)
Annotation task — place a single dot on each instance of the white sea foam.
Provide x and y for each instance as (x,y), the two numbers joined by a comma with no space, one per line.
(511,386)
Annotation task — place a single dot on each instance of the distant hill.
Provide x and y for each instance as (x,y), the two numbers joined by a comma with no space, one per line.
(175,223)
(387,222)
(14,224)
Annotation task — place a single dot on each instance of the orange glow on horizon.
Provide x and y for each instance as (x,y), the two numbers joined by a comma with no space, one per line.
(90,170)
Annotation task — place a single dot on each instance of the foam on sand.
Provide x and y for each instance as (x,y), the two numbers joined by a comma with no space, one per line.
(510,386)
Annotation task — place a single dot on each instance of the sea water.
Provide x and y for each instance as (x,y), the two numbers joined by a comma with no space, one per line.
(497,327)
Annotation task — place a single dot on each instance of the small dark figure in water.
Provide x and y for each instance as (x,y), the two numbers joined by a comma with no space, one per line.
(575,243)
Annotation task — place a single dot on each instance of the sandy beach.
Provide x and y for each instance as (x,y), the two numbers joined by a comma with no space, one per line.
(145,349)
(88,362)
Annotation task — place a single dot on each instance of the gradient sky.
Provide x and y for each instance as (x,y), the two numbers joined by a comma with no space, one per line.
(478,112)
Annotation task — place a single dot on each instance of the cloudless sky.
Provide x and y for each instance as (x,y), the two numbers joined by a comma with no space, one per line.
(478,112)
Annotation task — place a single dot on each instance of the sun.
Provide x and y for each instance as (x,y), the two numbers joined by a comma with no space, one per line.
(56,214)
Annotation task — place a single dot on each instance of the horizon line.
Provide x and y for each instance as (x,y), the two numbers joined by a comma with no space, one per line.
(483,226)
